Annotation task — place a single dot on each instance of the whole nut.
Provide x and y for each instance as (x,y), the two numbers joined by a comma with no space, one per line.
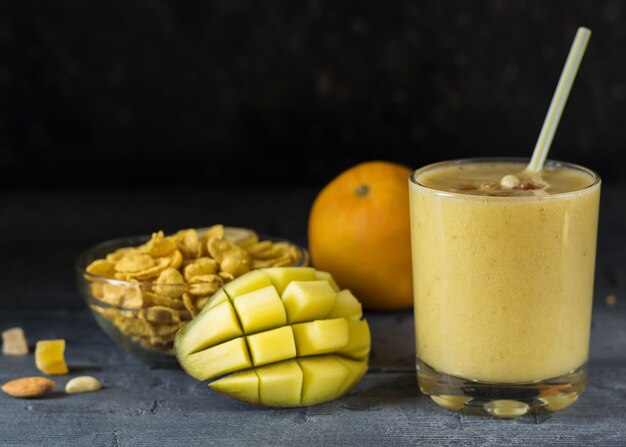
(28,387)
(82,384)
(510,181)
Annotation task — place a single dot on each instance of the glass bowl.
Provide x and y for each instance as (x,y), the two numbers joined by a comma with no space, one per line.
(144,316)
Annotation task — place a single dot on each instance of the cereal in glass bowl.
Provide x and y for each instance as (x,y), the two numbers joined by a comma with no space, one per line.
(142,290)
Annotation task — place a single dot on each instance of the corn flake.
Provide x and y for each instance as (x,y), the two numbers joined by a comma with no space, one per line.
(170,283)
(189,243)
(101,267)
(199,267)
(235,266)
(159,245)
(162,314)
(201,301)
(219,249)
(154,299)
(134,262)
(118,254)
(205,284)
(189,304)
(216,231)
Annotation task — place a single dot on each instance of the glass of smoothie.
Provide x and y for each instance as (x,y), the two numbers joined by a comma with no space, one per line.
(503,267)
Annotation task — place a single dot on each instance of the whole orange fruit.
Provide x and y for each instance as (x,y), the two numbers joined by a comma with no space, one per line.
(359,231)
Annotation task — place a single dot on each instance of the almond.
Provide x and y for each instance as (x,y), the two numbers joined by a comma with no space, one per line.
(28,387)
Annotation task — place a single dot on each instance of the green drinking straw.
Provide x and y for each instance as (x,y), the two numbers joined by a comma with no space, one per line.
(559,99)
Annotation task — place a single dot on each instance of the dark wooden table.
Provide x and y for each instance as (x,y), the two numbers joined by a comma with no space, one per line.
(143,405)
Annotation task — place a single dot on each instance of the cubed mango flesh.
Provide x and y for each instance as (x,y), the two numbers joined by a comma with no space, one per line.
(323,378)
(303,346)
(358,346)
(243,385)
(209,329)
(218,297)
(355,372)
(281,384)
(260,310)
(308,300)
(226,357)
(325,276)
(346,305)
(272,346)
(282,276)
(320,336)
(251,281)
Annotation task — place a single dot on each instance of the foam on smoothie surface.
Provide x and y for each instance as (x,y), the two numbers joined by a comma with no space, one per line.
(495,179)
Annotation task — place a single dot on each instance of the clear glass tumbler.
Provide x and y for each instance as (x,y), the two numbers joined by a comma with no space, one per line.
(503,288)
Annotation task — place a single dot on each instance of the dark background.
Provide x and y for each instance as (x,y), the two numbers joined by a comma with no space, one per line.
(128,116)
(132,93)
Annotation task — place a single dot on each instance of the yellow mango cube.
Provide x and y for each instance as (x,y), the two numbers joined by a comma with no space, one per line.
(282,276)
(209,329)
(272,346)
(356,370)
(346,305)
(280,384)
(308,300)
(323,378)
(358,346)
(254,280)
(221,359)
(320,336)
(260,310)
(242,385)
(50,357)
(218,297)
(325,276)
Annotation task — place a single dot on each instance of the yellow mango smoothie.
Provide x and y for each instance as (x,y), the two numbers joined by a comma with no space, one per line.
(503,268)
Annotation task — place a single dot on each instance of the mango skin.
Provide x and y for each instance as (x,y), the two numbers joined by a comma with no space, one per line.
(330,352)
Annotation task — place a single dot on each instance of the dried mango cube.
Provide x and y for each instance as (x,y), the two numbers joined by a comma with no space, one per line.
(14,342)
(49,357)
